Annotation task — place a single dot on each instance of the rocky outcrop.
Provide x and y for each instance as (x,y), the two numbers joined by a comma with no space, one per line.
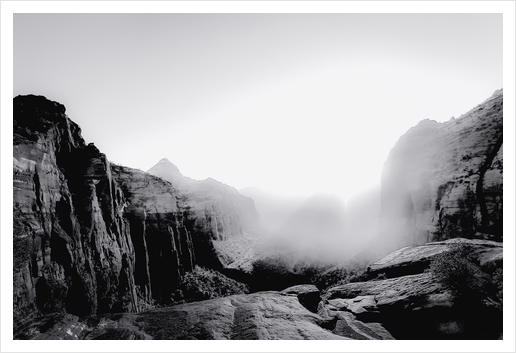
(72,246)
(445,180)
(397,299)
(406,300)
(229,218)
(307,294)
(264,315)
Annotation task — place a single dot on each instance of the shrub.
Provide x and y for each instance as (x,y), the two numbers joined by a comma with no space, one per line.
(498,284)
(22,242)
(202,284)
(275,273)
(457,271)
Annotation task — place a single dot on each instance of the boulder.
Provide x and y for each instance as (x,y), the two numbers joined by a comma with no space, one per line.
(308,295)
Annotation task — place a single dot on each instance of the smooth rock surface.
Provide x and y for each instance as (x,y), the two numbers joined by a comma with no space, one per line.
(264,315)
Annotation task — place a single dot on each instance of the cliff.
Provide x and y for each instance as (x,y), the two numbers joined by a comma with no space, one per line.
(163,244)
(230,219)
(91,237)
(72,245)
(445,180)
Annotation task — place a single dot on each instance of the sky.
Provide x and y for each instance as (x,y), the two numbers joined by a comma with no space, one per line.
(290,103)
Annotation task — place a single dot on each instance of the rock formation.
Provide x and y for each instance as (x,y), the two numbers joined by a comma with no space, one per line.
(163,244)
(444,180)
(91,237)
(399,299)
(230,219)
(404,298)
(72,245)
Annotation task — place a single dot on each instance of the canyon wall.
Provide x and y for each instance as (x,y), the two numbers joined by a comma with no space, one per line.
(445,180)
(92,237)
(72,246)
(219,210)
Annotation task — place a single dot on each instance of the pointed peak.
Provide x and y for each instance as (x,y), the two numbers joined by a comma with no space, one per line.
(163,161)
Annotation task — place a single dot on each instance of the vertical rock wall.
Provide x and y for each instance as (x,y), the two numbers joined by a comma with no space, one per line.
(164,248)
(90,237)
(444,180)
(72,247)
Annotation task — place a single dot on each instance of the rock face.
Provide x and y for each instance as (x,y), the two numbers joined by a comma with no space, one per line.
(163,244)
(230,219)
(72,245)
(445,180)
(410,304)
(91,237)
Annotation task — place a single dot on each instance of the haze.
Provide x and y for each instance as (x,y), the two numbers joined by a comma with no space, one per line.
(290,103)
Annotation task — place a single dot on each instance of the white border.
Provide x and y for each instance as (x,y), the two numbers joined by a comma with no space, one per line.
(505,7)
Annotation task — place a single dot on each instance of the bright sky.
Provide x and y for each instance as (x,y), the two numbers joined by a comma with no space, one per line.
(291,103)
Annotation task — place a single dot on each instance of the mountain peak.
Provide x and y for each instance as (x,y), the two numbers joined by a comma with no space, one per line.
(164,161)
(168,171)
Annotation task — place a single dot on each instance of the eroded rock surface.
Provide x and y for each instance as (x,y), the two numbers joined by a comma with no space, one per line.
(264,315)
(407,301)
(72,247)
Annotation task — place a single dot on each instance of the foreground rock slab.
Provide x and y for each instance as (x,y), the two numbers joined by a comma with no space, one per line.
(404,301)
(264,315)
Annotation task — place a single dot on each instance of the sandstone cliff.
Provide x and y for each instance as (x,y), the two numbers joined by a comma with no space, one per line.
(91,237)
(445,180)
(230,219)
(72,245)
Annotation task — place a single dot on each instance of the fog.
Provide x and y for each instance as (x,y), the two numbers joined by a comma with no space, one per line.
(322,228)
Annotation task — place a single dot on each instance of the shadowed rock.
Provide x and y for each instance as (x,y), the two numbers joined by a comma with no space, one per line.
(265,315)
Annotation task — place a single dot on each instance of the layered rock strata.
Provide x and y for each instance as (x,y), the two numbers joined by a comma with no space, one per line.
(72,245)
